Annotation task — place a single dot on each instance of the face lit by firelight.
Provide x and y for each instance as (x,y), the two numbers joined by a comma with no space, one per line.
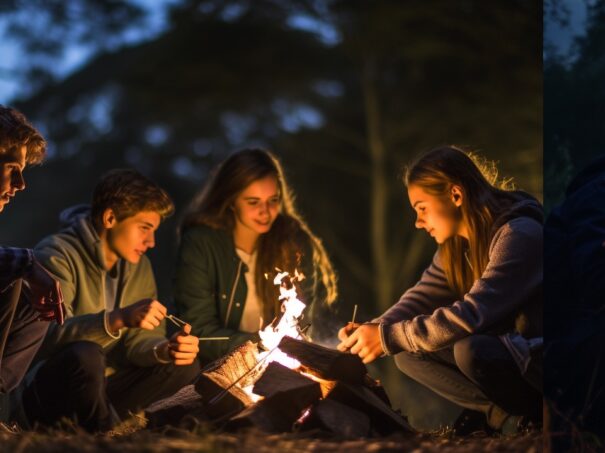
(12,164)
(439,215)
(257,206)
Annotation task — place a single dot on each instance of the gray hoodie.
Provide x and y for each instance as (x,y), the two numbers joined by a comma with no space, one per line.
(505,301)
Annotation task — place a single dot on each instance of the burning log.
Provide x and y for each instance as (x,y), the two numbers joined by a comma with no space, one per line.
(384,420)
(326,363)
(279,379)
(218,377)
(337,418)
(287,395)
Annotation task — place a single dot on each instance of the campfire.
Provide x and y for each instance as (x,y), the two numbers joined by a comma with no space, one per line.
(285,383)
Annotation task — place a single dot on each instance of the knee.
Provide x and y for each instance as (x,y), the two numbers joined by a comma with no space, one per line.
(407,362)
(183,375)
(87,358)
(470,356)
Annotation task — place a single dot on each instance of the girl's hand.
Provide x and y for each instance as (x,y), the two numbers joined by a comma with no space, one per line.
(364,341)
(347,330)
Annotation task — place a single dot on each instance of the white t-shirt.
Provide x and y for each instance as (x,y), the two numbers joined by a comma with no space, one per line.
(252,315)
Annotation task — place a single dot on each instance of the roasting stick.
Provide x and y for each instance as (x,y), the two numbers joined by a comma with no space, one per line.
(177,322)
(180,323)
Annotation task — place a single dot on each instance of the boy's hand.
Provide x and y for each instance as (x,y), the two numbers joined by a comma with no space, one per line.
(183,347)
(364,341)
(145,314)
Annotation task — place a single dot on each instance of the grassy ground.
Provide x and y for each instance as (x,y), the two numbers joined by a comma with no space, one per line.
(201,439)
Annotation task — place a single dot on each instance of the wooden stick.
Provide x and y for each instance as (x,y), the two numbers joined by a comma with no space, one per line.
(178,322)
(212,338)
(354,314)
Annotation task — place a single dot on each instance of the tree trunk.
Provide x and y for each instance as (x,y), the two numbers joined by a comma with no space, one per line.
(382,272)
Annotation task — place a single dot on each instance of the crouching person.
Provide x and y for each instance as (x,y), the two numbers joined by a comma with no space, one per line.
(114,326)
(471,328)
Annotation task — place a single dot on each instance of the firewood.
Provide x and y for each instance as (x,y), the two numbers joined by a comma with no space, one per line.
(288,395)
(219,376)
(339,419)
(278,378)
(326,363)
(173,410)
(384,420)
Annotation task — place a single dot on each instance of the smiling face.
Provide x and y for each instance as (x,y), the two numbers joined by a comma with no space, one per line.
(128,238)
(12,164)
(257,207)
(438,215)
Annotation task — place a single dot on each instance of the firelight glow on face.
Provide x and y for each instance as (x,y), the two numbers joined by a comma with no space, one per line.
(437,215)
(257,207)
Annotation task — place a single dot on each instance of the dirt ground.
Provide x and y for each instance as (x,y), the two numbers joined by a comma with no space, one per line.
(202,439)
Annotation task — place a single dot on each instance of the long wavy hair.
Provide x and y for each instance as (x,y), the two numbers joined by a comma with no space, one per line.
(283,245)
(485,196)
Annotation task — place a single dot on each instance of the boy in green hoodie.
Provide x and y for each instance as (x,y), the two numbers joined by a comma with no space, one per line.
(114,326)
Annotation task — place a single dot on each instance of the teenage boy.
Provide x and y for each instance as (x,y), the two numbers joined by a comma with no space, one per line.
(21,329)
(114,325)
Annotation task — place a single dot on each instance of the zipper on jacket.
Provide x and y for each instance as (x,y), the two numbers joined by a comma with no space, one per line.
(239,271)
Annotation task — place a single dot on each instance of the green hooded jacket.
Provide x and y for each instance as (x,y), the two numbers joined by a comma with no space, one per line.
(74,257)
(210,288)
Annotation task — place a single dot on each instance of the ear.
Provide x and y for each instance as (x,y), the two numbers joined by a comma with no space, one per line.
(457,195)
(109,219)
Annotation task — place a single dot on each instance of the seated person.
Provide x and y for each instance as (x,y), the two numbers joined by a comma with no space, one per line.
(241,227)
(471,328)
(22,326)
(113,318)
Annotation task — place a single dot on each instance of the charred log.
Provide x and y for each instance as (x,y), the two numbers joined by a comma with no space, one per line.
(175,410)
(332,416)
(384,420)
(288,395)
(325,363)
(278,378)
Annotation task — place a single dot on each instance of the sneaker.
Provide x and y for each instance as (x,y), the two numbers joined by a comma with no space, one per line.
(470,422)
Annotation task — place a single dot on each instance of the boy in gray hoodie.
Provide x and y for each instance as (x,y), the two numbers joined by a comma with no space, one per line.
(114,327)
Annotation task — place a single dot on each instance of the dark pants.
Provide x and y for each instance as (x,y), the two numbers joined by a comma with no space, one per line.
(21,335)
(476,373)
(72,385)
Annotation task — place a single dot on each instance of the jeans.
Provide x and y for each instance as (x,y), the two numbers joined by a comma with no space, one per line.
(477,373)
(72,384)
(21,335)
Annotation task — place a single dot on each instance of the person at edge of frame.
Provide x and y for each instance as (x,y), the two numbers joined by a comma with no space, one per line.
(111,357)
(22,320)
(574,279)
(471,328)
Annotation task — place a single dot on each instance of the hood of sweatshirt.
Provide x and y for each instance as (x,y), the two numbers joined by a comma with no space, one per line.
(523,205)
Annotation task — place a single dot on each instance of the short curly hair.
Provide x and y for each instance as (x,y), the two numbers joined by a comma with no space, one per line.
(16,131)
(127,192)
